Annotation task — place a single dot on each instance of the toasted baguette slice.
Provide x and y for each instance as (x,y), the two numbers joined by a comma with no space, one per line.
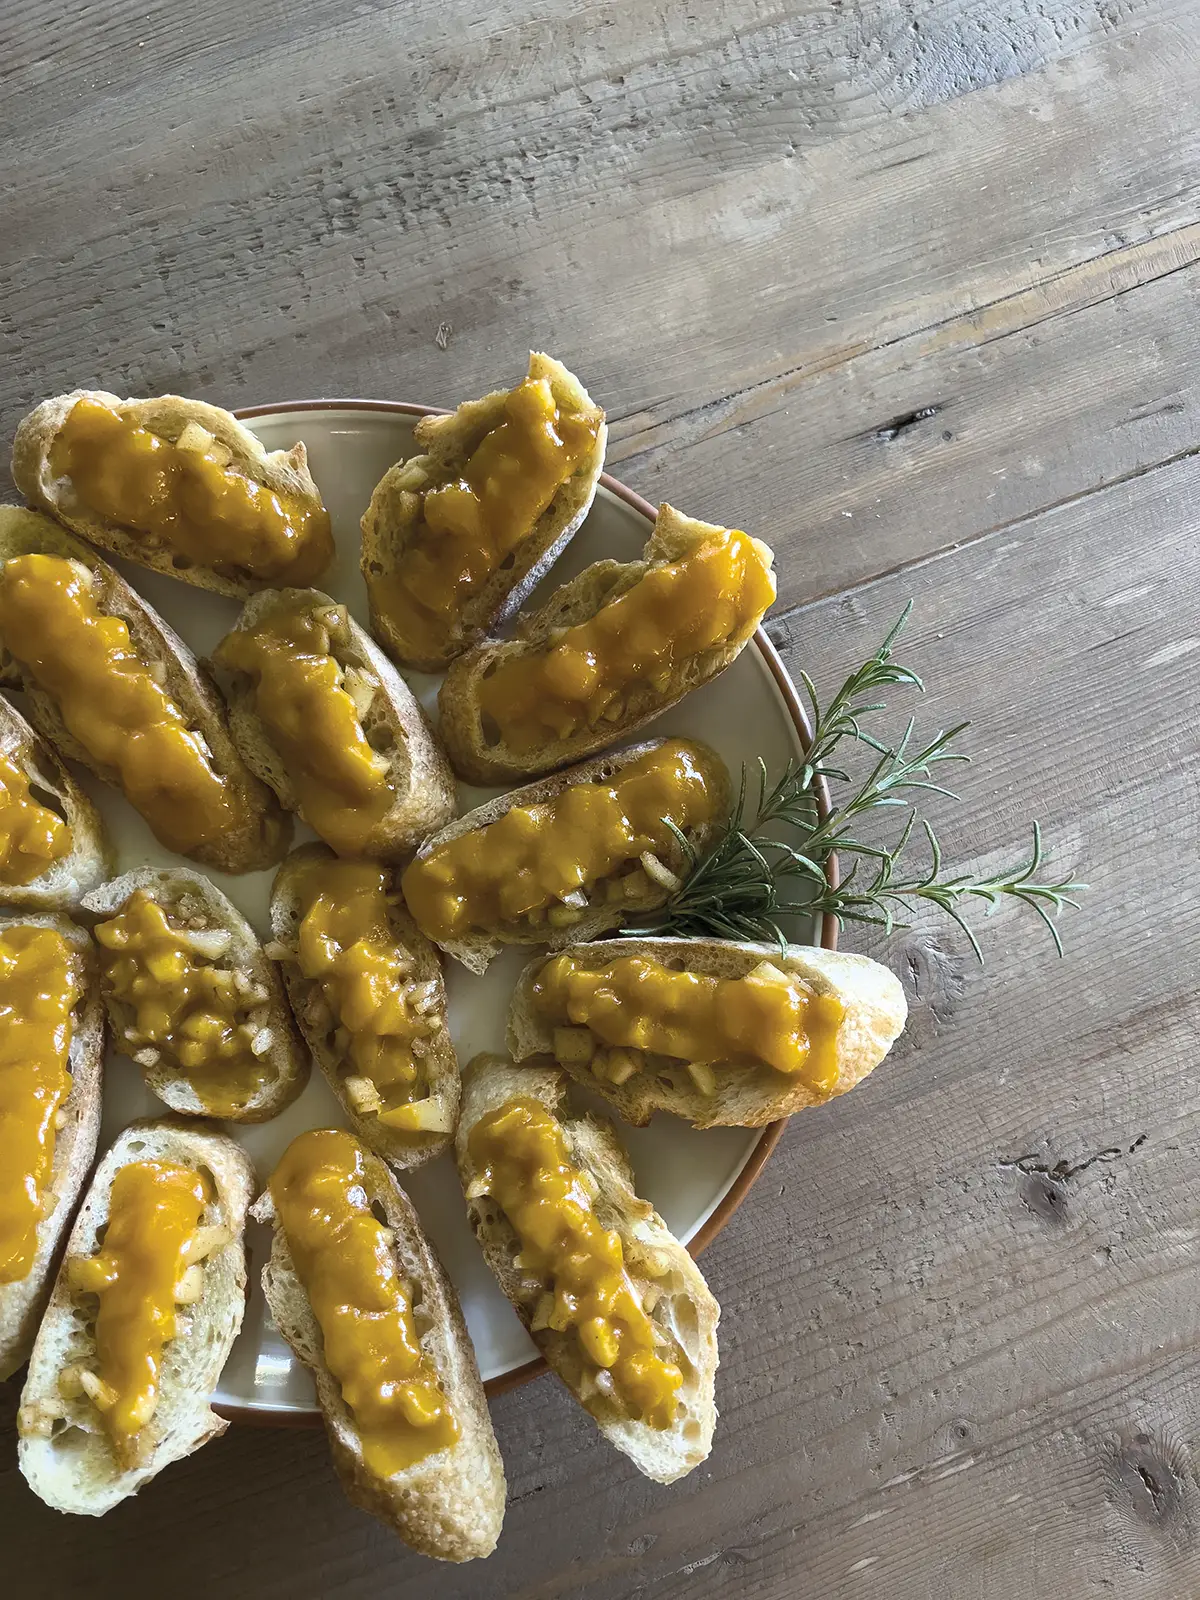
(90,857)
(196,906)
(872,998)
(447,443)
(463,724)
(401,1149)
(393,722)
(641,893)
(266,832)
(64,1452)
(22,1303)
(283,471)
(451,1504)
(659,1266)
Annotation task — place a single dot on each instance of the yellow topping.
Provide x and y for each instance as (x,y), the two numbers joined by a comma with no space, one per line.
(711,599)
(348,945)
(534,856)
(32,837)
(766,1019)
(154,1210)
(189,499)
(110,701)
(345,1261)
(40,985)
(301,696)
(182,1008)
(469,527)
(524,1165)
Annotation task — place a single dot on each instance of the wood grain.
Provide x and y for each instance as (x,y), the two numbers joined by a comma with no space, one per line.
(909,287)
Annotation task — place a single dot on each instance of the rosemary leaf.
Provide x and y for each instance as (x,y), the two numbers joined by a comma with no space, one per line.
(751,878)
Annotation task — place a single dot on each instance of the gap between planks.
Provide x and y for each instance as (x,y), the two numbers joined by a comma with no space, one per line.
(1062,293)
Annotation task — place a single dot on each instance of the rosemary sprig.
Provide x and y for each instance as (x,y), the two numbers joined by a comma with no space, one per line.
(751,877)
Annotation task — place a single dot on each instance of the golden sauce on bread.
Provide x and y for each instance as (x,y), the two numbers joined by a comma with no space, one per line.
(183,1006)
(585,675)
(154,1212)
(189,500)
(348,945)
(767,1018)
(40,985)
(344,1258)
(524,1165)
(472,524)
(32,837)
(532,857)
(111,701)
(301,696)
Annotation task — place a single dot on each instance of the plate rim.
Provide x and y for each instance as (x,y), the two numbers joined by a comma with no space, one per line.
(268,1417)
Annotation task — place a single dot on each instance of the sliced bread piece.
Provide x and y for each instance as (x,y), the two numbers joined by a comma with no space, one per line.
(209,440)
(39,779)
(856,1033)
(228,974)
(635,883)
(413,985)
(259,832)
(480,749)
(450,1504)
(393,524)
(23,1300)
(64,1451)
(662,1275)
(324,718)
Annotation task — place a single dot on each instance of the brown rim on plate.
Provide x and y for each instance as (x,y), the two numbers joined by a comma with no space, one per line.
(770,1135)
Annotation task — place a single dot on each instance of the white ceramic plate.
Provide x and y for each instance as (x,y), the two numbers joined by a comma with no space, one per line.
(694,1179)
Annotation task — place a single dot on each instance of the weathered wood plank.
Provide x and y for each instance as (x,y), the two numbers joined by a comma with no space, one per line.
(805,68)
(936,438)
(758,383)
(206,244)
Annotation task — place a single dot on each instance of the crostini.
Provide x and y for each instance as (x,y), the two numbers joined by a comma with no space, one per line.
(716,1032)
(193,999)
(456,536)
(612,1300)
(51,1073)
(569,857)
(145,1308)
(607,652)
(358,1292)
(366,988)
(53,845)
(320,714)
(176,485)
(110,685)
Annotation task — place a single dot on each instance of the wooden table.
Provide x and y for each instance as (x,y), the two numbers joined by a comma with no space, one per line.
(908,287)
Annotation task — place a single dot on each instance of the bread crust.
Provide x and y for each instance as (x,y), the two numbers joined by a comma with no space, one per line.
(446,443)
(477,950)
(22,1303)
(874,1004)
(285,471)
(394,723)
(191,901)
(265,835)
(475,761)
(401,1150)
(451,1505)
(90,859)
(685,1307)
(76,1469)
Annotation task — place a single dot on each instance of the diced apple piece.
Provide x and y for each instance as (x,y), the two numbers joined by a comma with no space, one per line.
(418,1116)
(574,1046)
